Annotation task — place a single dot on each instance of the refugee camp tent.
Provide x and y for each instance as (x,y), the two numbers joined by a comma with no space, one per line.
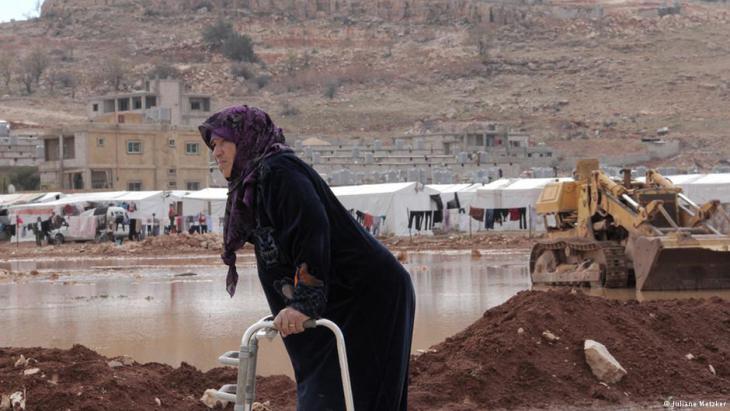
(211,202)
(392,203)
(519,193)
(707,187)
(456,218)
(140,205)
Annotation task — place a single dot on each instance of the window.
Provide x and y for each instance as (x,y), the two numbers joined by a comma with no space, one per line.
(134,186)
(172,185)
(120,118)
(136,103)
(100,141)
(99,179)
(123,104)
(192,148)
(95,107)
(134,147)
(171,142)
(172,172)
(51,149)
(199,104)
(109,106)
(150,101)
(69,149)
(192,186)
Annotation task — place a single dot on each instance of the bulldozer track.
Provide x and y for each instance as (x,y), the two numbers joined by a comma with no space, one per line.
(614,271)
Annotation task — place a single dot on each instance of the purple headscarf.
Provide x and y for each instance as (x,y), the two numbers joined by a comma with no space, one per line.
(256,137)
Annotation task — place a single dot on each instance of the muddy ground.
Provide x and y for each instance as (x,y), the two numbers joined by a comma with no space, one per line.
(489,365)
(212,244)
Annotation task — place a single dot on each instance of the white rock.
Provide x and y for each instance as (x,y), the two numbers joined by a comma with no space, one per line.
(31,371)
(603,365)
(712,370)
(689,356)
(17,399)
(22,362)
(158,402)
(520,330)
(115,364)
(5,402)
(550,336)
(210,400)
(127,360)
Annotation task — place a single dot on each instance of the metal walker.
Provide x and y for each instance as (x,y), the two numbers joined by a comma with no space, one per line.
(245,360)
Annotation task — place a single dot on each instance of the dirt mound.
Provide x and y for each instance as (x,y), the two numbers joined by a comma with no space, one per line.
(81,379)
(495,365)
(459,241)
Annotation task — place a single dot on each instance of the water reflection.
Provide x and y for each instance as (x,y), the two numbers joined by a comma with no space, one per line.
(151,313)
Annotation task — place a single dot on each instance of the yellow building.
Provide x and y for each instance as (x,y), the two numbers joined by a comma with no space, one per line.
(130,149)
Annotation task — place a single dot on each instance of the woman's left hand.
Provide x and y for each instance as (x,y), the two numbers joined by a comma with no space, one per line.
(290,321)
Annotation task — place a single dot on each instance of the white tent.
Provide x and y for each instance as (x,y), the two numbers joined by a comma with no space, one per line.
(142,204)
(394,201)
(457,218)
(211,202)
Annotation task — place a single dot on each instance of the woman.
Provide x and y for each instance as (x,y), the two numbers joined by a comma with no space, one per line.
(314,261)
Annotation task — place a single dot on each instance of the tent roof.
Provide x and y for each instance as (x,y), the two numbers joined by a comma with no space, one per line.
(533,183)
(712,179)
(19,198)
(211,194)
(451,188)
(372,188)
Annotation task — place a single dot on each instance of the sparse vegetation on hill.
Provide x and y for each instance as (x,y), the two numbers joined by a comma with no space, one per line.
(587,84)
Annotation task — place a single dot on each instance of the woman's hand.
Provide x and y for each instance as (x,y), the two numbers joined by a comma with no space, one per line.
(290,321)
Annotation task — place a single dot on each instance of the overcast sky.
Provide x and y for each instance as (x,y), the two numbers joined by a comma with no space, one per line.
(16,9)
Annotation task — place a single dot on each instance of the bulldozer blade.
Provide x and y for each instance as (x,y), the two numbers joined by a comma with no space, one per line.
(675,263)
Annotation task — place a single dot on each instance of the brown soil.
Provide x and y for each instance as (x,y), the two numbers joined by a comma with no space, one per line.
(489,365)
(212,244)
(81,379)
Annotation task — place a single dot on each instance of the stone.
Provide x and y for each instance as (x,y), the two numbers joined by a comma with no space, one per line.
(22,362)
(689,356)
(127,360)
(550,336)
(17,399)
(603,365)
(31,371)
(520,330)
(158,402)
(210,400)
(712,369)
(5,402)
(115,364)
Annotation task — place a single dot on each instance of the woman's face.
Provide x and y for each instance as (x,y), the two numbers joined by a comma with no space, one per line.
(224,152)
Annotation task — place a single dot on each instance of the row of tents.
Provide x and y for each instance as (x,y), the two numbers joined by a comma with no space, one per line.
(393,208)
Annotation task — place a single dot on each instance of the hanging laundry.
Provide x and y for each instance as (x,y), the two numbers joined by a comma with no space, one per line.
(453,203)
(476,213)
(489,215)
(437,216)
(368,222)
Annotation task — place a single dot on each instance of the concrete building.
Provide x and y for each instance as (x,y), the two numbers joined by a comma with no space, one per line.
(471,156)
(143,140)
(163,101)
(19,147)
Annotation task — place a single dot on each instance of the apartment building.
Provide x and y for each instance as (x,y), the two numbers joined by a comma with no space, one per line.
(125,146)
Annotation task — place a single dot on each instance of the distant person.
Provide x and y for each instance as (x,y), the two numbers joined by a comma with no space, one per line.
(38,232)
(202,222)
(155,225)
(172,214)
(314,261)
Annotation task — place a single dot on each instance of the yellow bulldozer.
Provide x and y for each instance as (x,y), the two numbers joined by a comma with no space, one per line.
(623,233)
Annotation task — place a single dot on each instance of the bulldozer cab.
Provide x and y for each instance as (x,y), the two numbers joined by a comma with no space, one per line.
(669,200)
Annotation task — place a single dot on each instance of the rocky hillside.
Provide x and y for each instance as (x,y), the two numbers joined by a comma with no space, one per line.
(588,79)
